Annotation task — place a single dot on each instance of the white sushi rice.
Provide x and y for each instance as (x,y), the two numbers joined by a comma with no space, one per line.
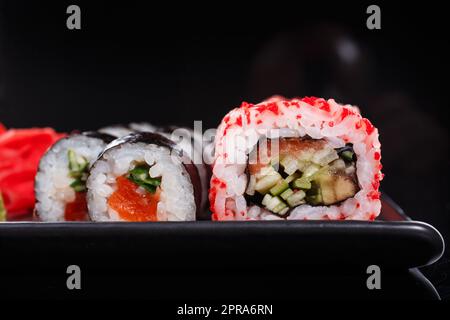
(52,184)
(177,202)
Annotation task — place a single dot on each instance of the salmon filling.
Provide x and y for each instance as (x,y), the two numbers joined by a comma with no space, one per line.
(137,195)
(300,171)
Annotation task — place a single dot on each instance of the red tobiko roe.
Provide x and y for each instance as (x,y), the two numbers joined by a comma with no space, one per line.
(20,152)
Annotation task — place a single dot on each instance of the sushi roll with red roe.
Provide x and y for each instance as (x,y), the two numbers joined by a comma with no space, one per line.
(60,183)
(299,159)
(143,177)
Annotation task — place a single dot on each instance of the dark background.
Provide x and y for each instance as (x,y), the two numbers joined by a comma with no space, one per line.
(179,63)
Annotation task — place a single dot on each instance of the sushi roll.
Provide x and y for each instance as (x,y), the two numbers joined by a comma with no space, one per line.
(60,183)
(190,142)
(306,159)
(143,177)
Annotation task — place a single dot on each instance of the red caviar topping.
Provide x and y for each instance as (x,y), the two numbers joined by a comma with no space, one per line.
(272,107)
(295,104)
(212,198)
(374,195)
(376,185)
(358,205)
(377,156)
(246,107)
(226,128)
(345,113)
(310,100)
(325,106)
(239,121)
(372,216)
(331,123)
(317,102)
(259,121)
(369,127)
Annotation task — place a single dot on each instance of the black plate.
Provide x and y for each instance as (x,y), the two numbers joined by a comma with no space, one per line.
(392,240)
(220,260)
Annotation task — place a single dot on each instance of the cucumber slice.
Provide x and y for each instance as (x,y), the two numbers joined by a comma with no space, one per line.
(310,170)
(78,186)
(290,165)
(76,162)
(279,188)
(292,177)
(284,211)
(266,183)
(296,198)
(286,193)
(141,176)
(273,203)
(279,207)
(347,155)
(315,199)
(324,156)
(302,183)
(266,199)
(274,163)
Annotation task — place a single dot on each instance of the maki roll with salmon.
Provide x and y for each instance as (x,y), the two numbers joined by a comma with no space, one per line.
(191,143)
(307,159)
(60,183)
(143,177)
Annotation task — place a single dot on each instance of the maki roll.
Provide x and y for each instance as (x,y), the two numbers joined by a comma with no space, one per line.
(60,184)
(302,159)
(143,177)
(189,141)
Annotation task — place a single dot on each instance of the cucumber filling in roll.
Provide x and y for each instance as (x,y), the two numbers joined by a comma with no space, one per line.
(303,171)
(78,172)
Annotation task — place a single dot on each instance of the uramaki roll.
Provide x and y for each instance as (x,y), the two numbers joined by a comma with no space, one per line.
(302,159)
(143,177)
